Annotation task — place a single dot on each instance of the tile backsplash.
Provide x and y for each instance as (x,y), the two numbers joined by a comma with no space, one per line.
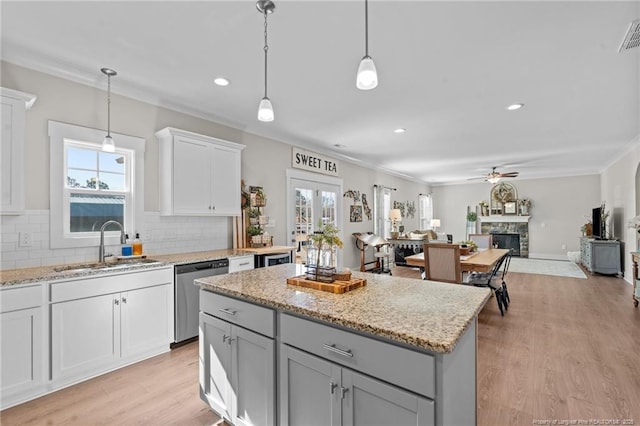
(159,234)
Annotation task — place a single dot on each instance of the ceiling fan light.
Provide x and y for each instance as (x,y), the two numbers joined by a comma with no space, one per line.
(265,110)
(108,145)
(367,78)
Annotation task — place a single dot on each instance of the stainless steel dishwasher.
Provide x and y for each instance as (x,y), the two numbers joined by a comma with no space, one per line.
(187,298)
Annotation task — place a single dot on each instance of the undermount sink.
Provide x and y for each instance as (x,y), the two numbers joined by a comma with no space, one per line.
(98,266)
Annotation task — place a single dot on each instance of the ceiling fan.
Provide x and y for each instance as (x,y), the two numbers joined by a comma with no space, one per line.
(494,176)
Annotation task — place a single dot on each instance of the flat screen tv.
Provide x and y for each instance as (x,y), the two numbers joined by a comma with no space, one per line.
(597,225)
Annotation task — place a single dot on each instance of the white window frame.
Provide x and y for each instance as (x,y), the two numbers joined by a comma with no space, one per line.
(129,146)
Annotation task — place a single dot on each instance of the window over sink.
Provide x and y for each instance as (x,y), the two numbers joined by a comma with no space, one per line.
(90,187)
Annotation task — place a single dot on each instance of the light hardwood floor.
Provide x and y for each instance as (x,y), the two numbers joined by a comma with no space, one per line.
(567,349)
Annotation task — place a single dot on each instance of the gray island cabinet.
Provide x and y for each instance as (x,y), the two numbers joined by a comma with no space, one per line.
(397,351)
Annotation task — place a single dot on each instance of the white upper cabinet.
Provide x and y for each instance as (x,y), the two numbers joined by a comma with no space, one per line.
(14,105)
(199,175)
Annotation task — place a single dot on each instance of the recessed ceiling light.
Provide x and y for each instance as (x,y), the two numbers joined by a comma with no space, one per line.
(221,81)
(339,145)
(514,107)
(400,130)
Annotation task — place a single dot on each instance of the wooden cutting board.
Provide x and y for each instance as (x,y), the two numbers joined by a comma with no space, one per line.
(337,286)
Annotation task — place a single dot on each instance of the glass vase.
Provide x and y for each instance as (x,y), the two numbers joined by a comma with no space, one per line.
(321,261)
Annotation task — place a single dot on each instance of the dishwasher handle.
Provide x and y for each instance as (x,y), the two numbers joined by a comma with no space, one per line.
(204,266)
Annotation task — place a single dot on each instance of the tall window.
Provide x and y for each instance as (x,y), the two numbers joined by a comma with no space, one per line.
(425,210)
(89,187)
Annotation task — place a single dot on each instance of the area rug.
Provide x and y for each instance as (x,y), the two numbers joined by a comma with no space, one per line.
(560,268)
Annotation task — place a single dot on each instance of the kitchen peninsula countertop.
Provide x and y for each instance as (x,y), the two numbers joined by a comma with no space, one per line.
(46,273)
(425,314)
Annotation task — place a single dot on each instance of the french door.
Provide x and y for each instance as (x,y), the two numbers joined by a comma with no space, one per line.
(313,201)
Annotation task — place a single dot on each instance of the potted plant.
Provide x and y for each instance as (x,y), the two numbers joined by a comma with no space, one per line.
(484,208)
(255,232)
(524,204)
(472,217)
(254,215)
(259,197)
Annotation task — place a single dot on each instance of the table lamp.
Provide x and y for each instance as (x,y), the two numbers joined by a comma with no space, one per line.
(395,215)
(435,224)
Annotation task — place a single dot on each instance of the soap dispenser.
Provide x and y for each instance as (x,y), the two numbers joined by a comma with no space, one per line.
(137,245)
(127,250)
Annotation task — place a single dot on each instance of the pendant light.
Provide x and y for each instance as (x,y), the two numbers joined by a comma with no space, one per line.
(367,78)
(265,109)
(107,144)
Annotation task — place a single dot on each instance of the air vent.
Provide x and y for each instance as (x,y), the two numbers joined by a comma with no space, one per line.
(632,38)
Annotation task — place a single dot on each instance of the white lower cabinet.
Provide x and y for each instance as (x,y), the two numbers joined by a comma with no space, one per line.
(314,391)
(241,263)
(22,350)
(85,335)
(237,372)
(95,328)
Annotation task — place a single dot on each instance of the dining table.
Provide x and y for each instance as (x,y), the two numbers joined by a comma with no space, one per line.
(479,261)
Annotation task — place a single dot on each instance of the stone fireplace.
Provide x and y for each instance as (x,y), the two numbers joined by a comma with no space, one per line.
(507,241)
(504,227)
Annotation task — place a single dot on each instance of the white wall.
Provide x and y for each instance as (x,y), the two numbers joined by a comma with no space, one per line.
(264,163)
(619,193)
(560,206)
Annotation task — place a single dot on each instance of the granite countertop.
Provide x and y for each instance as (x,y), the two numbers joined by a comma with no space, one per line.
(268,250)
(425,314)
(47,273)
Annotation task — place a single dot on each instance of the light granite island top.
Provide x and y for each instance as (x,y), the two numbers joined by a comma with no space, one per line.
(425,314)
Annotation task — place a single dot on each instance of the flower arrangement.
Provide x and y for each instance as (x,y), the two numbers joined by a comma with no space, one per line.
(327,236)
(524,202)
(635,224)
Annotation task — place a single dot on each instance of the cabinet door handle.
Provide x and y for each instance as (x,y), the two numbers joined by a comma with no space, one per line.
(228,311)
(231,340)
(343,392)
(332,386)
(117,301)
(337,350)
(224,338)
(124,300)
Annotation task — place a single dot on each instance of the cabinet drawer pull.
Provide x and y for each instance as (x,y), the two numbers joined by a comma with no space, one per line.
(343,392)
(243,264)
(339,351)
(227,311)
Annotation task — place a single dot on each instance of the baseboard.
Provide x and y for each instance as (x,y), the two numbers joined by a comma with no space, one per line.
(547,256)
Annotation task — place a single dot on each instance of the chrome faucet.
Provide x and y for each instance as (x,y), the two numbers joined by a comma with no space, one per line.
(101,253)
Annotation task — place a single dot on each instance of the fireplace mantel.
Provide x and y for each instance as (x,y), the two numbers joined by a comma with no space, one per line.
(504,218)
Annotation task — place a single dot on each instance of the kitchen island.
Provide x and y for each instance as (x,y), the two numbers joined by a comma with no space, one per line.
(397,351)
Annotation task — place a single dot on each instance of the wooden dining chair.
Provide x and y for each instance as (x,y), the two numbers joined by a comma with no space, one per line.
(484,241)
(442,262)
